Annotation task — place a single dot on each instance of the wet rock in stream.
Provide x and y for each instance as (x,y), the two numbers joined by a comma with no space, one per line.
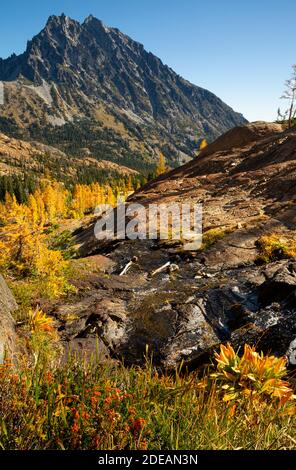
(179,318)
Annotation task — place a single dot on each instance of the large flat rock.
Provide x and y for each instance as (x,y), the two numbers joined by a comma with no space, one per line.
(7,327)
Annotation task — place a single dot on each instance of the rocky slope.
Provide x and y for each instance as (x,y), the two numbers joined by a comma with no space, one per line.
(8,343)
(246,182)
(34,158)
(87,85)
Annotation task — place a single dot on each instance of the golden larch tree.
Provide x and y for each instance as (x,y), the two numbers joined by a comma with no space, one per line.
(203,144)
(161,166)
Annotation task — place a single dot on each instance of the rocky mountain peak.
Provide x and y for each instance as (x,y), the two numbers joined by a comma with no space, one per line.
(94,21)
(89,18)
(88,67)
(61,23)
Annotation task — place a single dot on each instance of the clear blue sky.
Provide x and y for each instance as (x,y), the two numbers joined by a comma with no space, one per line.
(240,50)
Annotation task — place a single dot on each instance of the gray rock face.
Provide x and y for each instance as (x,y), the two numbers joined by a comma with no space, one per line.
(181,318)
(7,331)
(279,285)
(81,65)
(291,353)
(187,330)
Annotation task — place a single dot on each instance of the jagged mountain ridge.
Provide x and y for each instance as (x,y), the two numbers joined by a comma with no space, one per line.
(85,76)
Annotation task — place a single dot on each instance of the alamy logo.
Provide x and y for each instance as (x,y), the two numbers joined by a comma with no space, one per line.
(182,222)
(1,93)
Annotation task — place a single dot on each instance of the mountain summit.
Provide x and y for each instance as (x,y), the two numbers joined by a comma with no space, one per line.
(91,89)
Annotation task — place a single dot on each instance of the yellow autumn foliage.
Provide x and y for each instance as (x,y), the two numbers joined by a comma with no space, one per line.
(203,144)
(161,166)
(276,246)
(38,320)
(253,374)
(23,239)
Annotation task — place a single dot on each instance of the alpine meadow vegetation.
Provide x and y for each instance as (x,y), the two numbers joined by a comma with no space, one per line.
(238,403)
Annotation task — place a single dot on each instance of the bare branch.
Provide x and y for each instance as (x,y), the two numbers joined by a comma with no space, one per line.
(290,95)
